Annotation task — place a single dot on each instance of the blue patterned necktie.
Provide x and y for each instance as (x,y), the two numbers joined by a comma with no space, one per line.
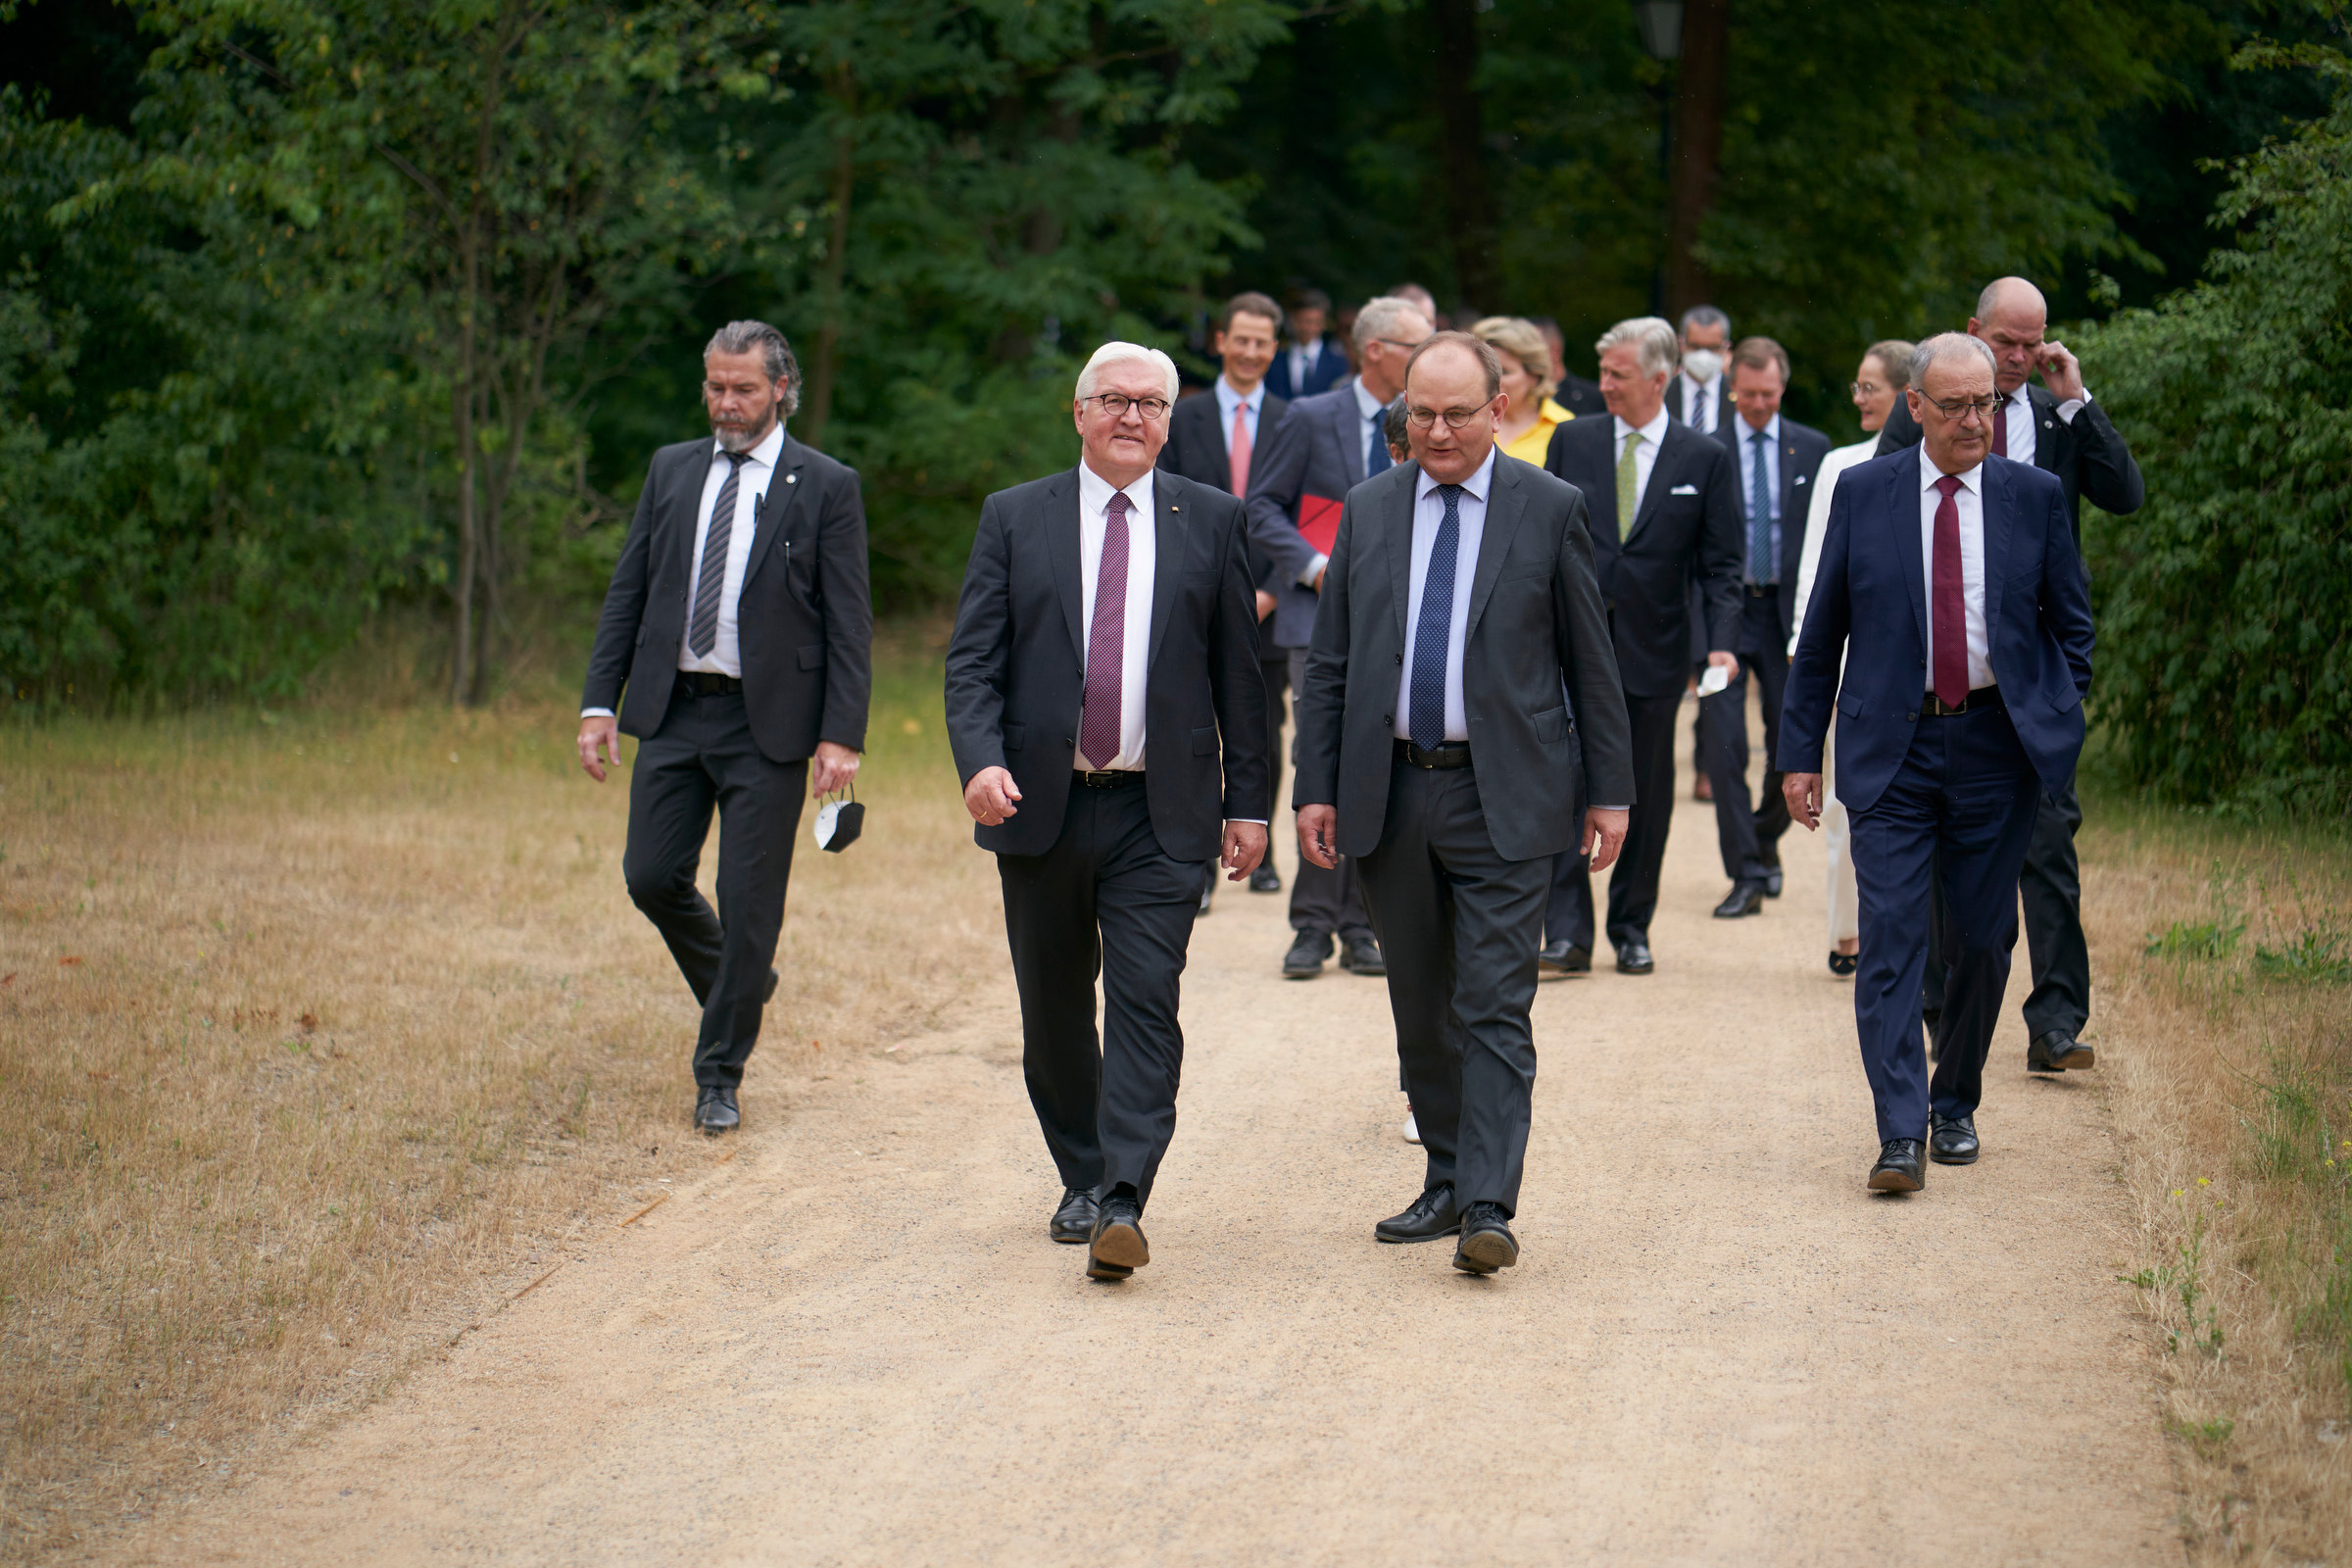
(1432,626)
(702,634)
(1761,568)
(1376,456)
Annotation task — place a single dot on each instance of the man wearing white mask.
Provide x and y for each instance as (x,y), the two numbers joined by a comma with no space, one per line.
(1701,395)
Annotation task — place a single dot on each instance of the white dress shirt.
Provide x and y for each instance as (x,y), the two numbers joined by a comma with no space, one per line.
(1969,499)
(2018,409)
(1643,461)
(1702,400)
(1429,514)
(1228,400)
(1143,549)
(1771,569)
(1816,521)
(750,488)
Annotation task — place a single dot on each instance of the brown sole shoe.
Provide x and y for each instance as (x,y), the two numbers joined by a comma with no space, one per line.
(1121,1246)
(1890,1180)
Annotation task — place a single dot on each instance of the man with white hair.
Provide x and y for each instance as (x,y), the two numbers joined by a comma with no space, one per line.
(1109,725)
(1949,630)
(2059,428)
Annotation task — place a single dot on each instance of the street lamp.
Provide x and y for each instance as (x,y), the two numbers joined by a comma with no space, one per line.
(1661,25)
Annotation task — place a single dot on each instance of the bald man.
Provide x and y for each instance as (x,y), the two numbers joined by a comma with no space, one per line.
(2058,428)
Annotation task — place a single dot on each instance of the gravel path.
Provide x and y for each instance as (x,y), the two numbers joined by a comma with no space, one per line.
(853,1345)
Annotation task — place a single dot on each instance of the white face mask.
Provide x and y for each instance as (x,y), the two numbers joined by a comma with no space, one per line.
(1702,364)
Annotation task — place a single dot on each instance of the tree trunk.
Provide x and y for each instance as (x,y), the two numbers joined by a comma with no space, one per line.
(828,332)
(1462,151)
(1698,148)
(460,397)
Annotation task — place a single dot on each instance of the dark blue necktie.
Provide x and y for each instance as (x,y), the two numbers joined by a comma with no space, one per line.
(1431,628)
(1376,456)
(702,631)
(1761,568)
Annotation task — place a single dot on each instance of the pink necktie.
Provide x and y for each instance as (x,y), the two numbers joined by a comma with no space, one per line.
(1106,643)
(1240,448)
(1950,603)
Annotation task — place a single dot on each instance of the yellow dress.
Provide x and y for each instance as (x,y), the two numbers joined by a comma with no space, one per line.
(1531,446)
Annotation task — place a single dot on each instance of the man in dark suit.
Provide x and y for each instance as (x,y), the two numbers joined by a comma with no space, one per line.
(1777,458)
(1212,440)
(1665,514)
(1314,360)
(735,644)
(1701,394)
(2059,430)
(1577,395)
(1324,448)
(1950,588)
(1107,715)
(1460,657)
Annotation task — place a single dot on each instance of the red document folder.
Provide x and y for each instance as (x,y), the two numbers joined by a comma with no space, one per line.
(1319,523)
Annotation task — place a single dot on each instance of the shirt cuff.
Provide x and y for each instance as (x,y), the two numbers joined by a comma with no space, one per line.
(596,713)
(1314,570)
(1255,821)
(1609,808)
(2073,406)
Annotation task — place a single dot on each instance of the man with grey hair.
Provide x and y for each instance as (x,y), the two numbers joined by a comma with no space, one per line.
(1324,447)
(2059,428)
(1701,395)
(1109,725)
(735,645)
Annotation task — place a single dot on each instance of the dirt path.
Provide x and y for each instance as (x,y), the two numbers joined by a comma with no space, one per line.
(853,1345)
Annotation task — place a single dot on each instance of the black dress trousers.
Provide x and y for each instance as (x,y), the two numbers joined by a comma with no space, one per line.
(1106,899)
(703,756)
(1634,883)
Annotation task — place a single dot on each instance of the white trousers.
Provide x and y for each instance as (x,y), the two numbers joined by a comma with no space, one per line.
(1845,904)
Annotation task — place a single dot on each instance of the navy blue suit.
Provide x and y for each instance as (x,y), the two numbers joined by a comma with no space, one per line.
(1331,369)
(1949,798)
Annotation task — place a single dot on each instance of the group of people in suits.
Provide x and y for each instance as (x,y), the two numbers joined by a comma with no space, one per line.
(1486,616)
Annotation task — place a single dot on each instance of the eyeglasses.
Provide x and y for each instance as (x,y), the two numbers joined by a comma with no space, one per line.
(1116,405)
(1455,418)
(1868,389)
(1959,409)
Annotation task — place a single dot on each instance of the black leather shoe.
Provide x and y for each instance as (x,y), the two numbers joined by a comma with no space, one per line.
(1265,879)
(1771,882)
(1487,1243)
(1305,959)
(714,1110)
(1117,1248)
(1746,897)
(1899,1169)
(1563,960)
(1361,956)
(1843,964)
(1431,1215)
(1952,1139)
(2056,1050)
(1073,1223)
(1632,958)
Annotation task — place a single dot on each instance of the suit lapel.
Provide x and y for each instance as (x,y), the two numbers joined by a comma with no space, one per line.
(1904,509)
(1397,531)
(2045,408)
(1999,511)
(775,512)
(1061,548)
(1351,436)
(685,513)
(1504,504)
(1169,493)
(1670,449)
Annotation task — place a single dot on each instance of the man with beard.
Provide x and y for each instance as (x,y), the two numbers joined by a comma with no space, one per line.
(735,645)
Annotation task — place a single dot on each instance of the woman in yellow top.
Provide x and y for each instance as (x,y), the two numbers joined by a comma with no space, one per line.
(1528,377)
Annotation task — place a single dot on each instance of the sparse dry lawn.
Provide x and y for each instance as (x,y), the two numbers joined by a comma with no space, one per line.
(318,1033)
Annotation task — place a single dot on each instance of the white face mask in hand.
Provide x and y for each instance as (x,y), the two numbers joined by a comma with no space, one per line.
(1703,364)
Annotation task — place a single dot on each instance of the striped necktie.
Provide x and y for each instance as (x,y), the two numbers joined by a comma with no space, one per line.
(702,633)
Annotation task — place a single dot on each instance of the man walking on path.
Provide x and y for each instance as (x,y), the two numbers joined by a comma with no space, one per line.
(1949,585)
(1460,698)
(2058,428)
(1106,714)
(735,645)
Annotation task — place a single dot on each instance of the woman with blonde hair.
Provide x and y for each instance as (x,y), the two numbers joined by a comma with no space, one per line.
(1528,377)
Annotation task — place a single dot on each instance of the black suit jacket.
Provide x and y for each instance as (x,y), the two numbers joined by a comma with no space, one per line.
(1195,446)
(1331,369)
(804,616)
(1687,531)
(1017,666)
(1801,450)
(1317,449)
(2088,456)
(1538,674)
(1579,396)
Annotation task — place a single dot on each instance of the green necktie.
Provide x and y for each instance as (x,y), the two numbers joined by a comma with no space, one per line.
(1626,477)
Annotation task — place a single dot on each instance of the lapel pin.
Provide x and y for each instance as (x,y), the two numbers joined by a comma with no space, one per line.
(791,479)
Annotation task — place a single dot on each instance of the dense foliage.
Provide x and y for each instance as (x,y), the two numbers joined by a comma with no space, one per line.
(2225,603)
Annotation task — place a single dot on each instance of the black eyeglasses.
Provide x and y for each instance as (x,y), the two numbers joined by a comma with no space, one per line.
(1116,405)
(1959,409)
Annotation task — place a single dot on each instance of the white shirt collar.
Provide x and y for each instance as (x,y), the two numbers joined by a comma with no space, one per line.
(1095,491)
(1477,486)
(1652,432)
(764,454)
(1366,404)
(1771,431)
(1972,479)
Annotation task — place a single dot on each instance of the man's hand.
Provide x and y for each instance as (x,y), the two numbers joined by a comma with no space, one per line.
(1244,846)
(1317,585)
(1320,834)
(1720,660)
(1266,604)
(603,730)
(1802,792)
(2061,372)
(989,796)
(1606,825)
(835,764)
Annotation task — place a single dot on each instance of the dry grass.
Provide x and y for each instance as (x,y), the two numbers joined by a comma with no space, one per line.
(2227,1060)
(322,1032)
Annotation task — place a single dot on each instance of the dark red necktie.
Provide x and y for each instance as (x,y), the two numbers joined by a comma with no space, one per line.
(2000,428)
(1106,643)
(1949,600)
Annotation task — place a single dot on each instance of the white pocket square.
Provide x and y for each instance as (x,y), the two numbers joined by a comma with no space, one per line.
(1800,479)
(1684,490)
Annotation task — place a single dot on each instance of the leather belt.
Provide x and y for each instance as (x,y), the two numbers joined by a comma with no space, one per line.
(1932,707)
(704,684)
(1453,754)
(1114,778)
(1762,590)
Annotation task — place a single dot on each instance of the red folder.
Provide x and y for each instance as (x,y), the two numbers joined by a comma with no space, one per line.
(1319,521)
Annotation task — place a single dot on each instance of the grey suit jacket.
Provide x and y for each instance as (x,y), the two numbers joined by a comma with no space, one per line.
(1317,449)
(1539,674)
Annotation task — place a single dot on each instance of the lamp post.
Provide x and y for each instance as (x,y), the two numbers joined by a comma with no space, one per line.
(1660,22)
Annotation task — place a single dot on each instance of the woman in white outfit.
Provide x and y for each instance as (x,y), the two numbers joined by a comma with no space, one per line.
(1885,370)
